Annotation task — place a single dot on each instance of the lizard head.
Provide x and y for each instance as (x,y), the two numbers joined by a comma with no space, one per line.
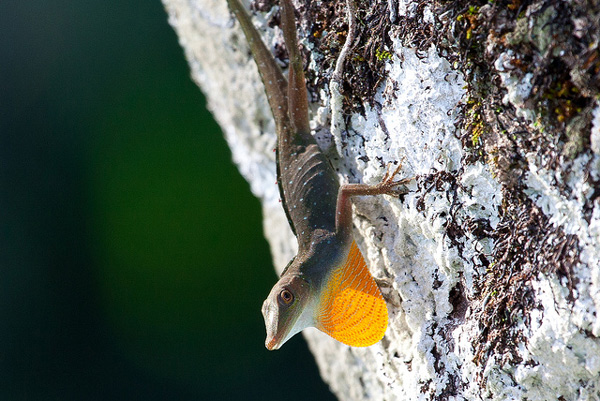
(285,310)
(341,299)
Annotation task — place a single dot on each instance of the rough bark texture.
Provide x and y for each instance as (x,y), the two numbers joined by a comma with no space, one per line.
(491,264)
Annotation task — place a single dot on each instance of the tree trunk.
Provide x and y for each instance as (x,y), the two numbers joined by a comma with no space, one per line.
(491,264)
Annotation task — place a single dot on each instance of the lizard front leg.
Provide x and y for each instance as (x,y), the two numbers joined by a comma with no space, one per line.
(387,186)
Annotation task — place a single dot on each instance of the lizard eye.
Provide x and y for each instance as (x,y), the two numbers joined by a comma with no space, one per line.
(286,296)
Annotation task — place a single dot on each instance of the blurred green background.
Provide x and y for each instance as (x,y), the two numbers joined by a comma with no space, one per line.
(132,262)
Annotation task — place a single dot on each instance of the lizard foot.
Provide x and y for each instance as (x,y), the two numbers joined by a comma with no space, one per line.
(388,292)
(388,186)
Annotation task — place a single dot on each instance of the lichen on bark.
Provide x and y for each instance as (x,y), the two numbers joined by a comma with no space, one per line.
(491,264)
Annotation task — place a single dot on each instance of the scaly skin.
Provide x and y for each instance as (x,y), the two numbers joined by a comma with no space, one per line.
(327,285)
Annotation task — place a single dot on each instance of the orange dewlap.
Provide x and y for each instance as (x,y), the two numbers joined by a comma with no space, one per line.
(352,309)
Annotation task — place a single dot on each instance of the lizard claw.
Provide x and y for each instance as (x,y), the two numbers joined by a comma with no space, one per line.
(388,186)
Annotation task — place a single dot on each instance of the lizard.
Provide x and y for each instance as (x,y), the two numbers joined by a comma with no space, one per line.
(327,285)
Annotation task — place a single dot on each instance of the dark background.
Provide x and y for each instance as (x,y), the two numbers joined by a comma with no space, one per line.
(132,262)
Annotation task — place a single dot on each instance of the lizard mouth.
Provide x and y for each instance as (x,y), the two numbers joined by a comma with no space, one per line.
(273,344)
(274,336)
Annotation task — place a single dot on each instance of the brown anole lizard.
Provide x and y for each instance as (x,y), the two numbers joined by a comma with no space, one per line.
(327,285)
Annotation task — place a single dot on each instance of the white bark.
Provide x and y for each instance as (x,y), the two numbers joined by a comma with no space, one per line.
(429,349)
